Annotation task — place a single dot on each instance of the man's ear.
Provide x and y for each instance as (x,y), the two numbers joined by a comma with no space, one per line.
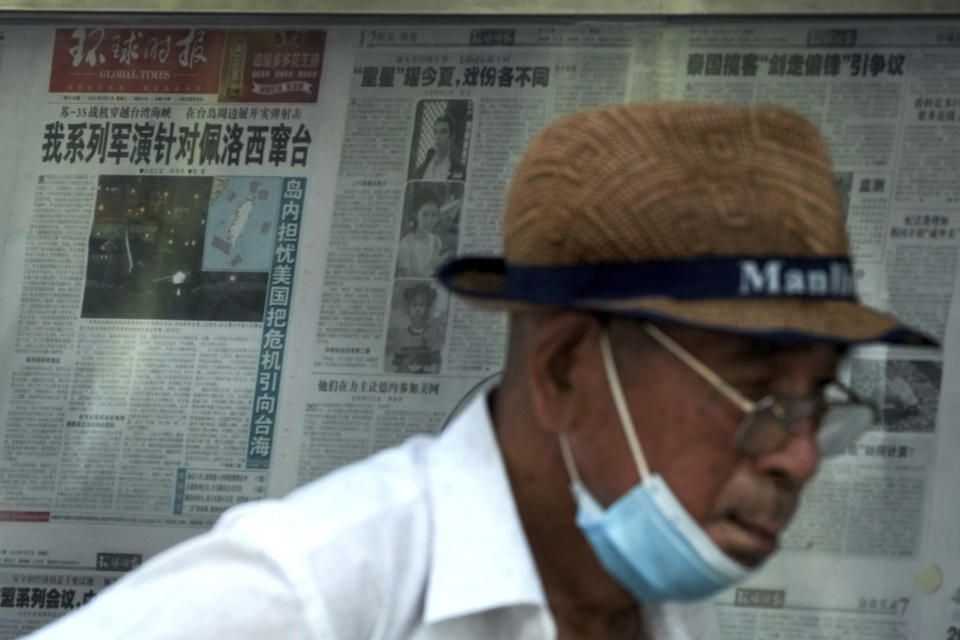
(562,367)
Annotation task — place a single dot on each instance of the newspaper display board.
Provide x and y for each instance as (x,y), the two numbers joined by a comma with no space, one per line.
(216,254)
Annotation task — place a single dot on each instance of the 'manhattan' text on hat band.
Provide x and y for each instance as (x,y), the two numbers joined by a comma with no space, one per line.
(731,277)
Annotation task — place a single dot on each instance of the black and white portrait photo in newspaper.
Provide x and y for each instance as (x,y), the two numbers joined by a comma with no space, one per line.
(430,227)
(415,331)
(441,140)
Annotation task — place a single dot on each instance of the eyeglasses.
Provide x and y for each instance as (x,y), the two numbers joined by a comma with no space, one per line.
(840,415)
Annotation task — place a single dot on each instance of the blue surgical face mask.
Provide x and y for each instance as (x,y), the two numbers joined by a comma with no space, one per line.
(646,540)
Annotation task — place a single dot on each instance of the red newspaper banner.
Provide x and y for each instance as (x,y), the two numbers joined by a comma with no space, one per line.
(101,60)
(236,66)
(272,66)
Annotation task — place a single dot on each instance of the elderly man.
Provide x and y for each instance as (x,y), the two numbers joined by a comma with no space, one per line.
(680,293)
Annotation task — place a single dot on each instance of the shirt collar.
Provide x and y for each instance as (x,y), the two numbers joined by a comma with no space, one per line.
(480,559)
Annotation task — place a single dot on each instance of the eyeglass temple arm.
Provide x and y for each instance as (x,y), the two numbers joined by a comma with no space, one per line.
(745,404)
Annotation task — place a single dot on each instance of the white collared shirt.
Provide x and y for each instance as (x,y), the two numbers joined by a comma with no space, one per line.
(421,541)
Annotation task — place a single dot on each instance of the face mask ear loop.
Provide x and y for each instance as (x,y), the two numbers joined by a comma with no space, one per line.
(568,459)
(626,422)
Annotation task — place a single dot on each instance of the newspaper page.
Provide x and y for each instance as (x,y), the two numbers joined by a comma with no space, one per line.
(163,179)
(872,553)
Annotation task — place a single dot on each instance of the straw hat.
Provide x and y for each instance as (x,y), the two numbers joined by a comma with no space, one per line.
(715,216)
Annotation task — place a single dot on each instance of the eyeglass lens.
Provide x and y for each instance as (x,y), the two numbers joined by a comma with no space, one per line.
(774,421)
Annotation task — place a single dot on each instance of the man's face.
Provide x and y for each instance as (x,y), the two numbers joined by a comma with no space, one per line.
(441,136)
(687,430)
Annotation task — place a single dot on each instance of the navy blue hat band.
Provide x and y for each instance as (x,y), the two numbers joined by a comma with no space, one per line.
(731,277)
